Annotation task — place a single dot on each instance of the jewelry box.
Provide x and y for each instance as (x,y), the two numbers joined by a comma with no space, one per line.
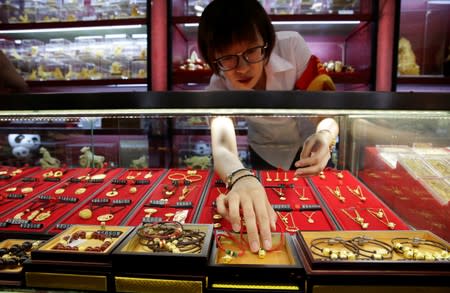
(78,258)
(13,253)
(163,256)
(234,266)
(374,258)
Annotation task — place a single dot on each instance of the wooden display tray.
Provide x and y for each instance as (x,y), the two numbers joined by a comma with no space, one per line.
(12,276)
(46,253)
(278,270)
(397,265)
(131,256)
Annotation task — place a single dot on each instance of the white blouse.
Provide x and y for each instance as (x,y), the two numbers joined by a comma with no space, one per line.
(276,139)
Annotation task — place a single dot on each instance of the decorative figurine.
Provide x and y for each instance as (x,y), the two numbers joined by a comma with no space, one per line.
(140,163)
(23,144)
(198,162)
(406,58)
(47,161)
(89,159)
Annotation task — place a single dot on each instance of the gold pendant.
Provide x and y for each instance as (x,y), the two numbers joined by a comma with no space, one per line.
(48,174)
(105,217)
(98,177)
(59,191)
(58,174)
(85,214)
(149,212)
(18,216)
(42,216)
(80,190)
(112,193)
(27,189)
(33,215)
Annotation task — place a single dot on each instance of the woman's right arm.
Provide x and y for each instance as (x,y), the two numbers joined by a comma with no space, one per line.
(247,194)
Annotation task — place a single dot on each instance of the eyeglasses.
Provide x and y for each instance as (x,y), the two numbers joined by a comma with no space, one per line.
(251,55)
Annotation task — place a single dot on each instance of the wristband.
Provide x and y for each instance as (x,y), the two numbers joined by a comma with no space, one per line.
(232,174)
(239,178)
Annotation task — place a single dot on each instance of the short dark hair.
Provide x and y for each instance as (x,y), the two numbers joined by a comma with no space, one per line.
(225,22)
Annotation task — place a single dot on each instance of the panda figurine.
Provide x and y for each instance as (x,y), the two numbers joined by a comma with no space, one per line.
(24,144)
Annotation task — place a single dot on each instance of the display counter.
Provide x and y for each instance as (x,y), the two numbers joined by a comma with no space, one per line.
(89,180)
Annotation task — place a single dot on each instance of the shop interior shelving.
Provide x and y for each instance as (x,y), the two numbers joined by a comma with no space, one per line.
(82,54)
(426,26)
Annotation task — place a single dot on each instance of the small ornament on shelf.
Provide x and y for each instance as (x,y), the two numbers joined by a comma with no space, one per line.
(194,63)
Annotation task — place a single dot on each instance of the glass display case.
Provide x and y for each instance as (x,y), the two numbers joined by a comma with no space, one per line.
(423,53)
(78,46)
(334,30)
(117,160)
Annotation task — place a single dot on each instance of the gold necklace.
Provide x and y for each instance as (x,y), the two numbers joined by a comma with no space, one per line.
(268,178)
(381,216)
(357,218)
(357,192)
(285,221)
(280,193)
(310,219)
(301,196)
(337,193)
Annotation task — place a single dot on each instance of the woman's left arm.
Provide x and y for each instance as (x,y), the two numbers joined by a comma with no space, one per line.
(316,148)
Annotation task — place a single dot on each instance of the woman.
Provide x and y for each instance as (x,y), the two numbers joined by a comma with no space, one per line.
(238,41)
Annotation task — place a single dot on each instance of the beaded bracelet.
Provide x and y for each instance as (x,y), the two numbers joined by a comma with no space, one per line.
(232,174)
(239,178)
(384,250)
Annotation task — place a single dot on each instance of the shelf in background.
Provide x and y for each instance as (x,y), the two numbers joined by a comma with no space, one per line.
(72,24)
(424,79)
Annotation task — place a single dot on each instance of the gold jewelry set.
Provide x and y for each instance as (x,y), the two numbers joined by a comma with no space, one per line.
(289,222)
(277,177)
(377,213)
(353,213)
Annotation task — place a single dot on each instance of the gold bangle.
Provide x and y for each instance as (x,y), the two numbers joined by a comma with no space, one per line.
(176,176)
(194,177)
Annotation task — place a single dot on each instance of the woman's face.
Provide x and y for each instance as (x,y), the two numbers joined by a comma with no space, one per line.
(246,75)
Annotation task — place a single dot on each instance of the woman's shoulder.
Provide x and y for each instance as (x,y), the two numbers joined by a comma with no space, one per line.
(288,36)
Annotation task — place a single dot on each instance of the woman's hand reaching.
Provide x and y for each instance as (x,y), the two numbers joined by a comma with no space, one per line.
(315,154)
(247,203)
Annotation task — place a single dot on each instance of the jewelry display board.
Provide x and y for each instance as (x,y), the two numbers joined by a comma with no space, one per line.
(233,265)
(352,204)
(51,200)
(77,258)
(416,184)
(13,253)
(171,246)
(383,252)
(392,261)
(176,197)
(114,201)
(293,200)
